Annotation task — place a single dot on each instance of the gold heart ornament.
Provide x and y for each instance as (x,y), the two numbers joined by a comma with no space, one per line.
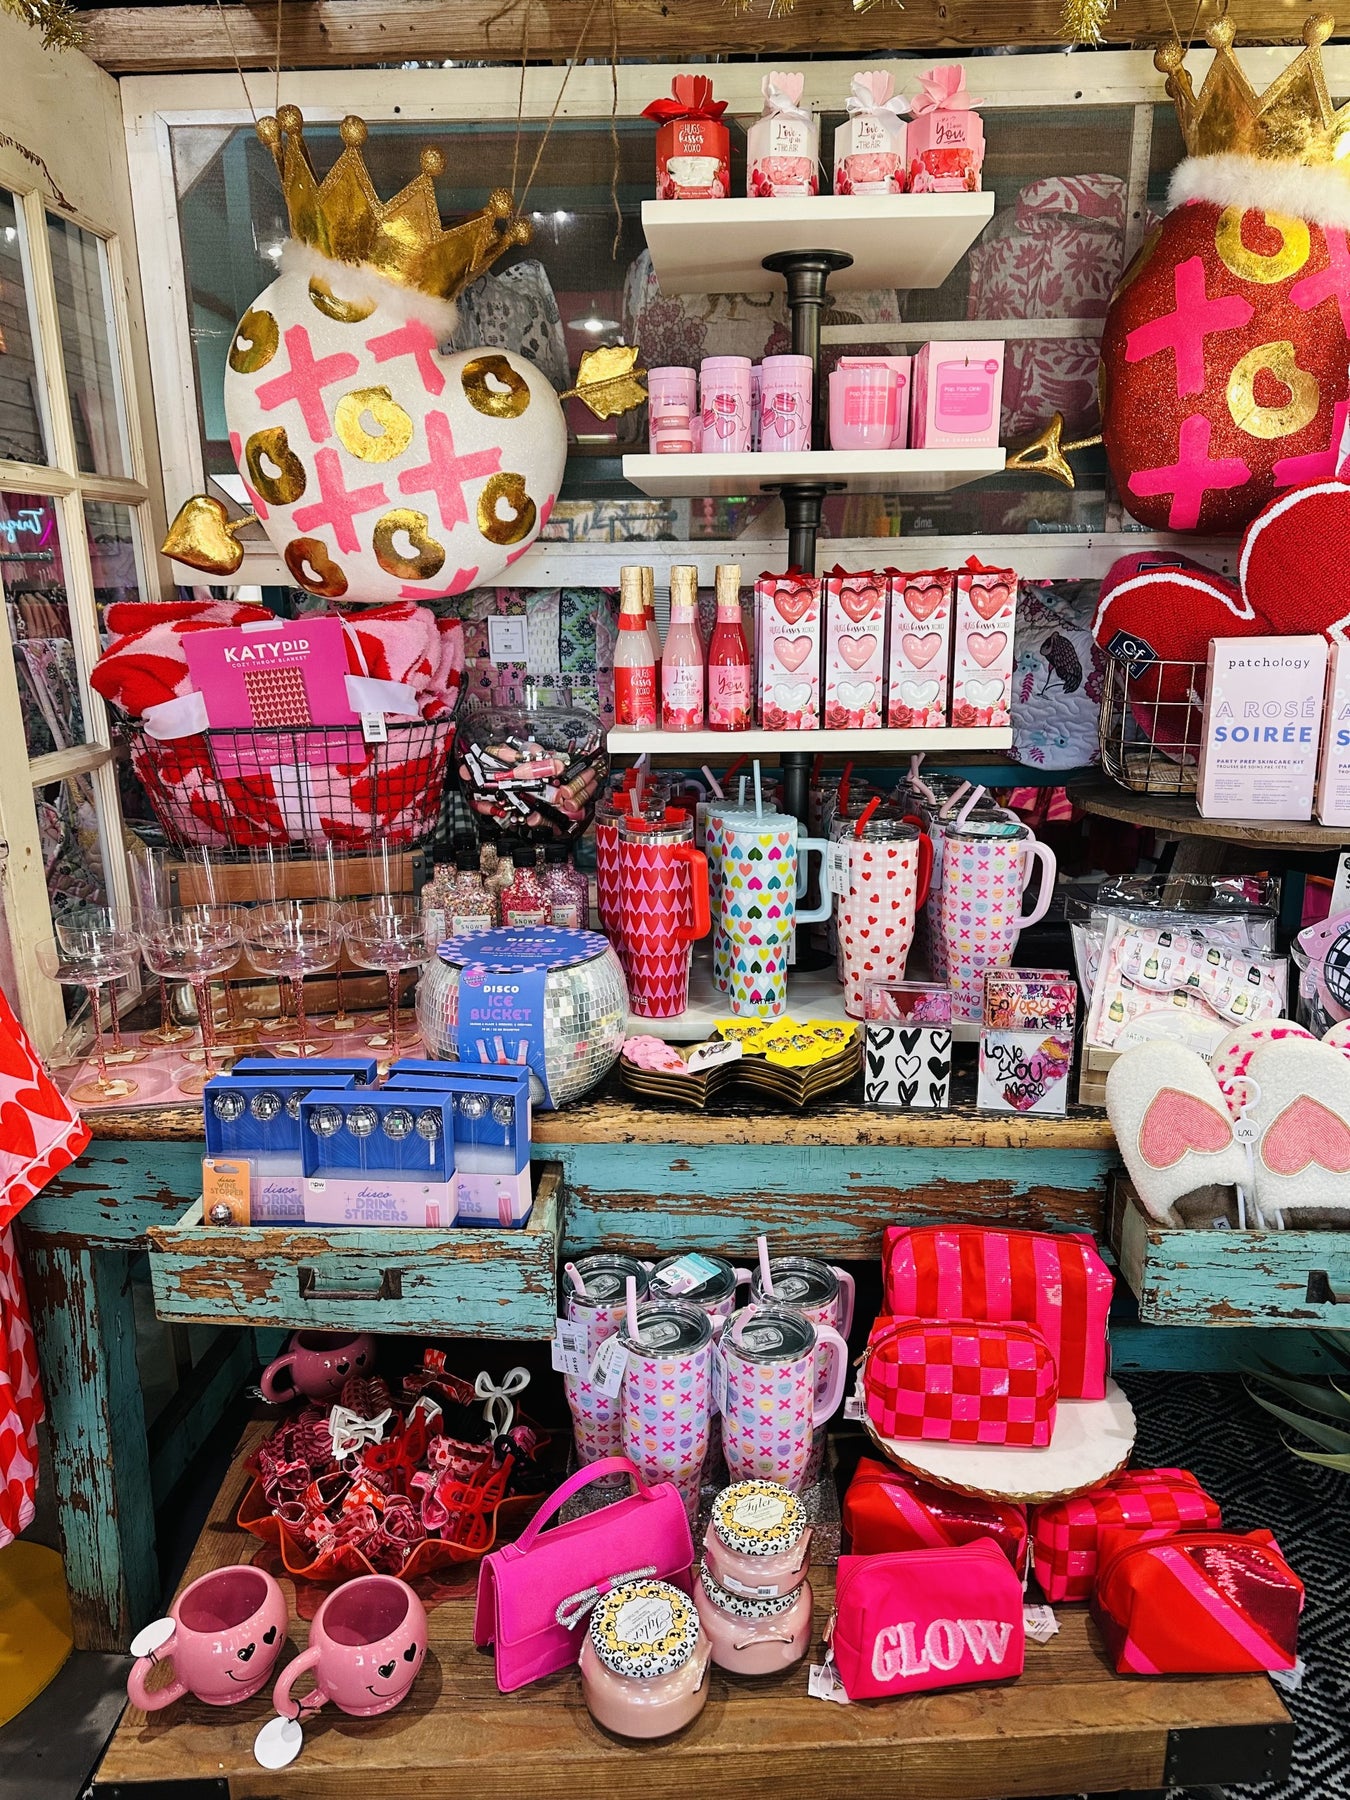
(205,537)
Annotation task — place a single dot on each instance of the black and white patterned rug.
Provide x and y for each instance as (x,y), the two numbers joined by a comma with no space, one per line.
(1209,1424)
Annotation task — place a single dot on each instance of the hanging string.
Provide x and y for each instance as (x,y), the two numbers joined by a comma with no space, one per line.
(238,66)
(614,128)
(276,59)
(520,96)
(548,128)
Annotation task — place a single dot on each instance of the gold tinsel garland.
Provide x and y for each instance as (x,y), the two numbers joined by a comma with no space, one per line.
(58,22)
(1081,21)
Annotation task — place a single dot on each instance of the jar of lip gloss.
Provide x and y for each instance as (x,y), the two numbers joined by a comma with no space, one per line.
(753,1637)
(644,1660)
(758,1542)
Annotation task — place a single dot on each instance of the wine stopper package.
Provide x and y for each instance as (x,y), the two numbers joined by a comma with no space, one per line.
(982,662)
(787,651)
(855,650)
(920,647)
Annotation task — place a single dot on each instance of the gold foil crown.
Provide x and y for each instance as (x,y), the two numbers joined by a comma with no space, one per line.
(1293,121)
(343,217)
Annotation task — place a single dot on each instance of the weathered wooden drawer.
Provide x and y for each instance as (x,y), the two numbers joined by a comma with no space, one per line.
(468,1281)
(1228,1277)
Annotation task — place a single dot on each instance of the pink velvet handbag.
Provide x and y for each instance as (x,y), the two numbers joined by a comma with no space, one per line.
(534,1596)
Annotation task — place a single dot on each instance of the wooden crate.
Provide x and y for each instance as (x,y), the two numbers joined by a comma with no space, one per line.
(1069,1724)
(1181,1277)
(464,1281)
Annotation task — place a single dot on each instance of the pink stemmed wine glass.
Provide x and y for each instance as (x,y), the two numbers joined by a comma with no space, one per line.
(197,944)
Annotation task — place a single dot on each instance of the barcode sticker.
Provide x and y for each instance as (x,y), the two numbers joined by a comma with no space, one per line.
(569,1349)
(611,1359)
(373,728)
(1040,1623)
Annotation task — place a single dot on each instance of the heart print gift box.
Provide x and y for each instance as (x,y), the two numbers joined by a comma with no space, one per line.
(787,651)
(982,663)
(920,647)
(855,650)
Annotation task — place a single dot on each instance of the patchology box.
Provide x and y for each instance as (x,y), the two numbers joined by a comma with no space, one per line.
(1262,726)
(1333,773)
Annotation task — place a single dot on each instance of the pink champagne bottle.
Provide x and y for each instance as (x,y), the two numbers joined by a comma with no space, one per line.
(634,665)
(682,658)
(653,629)
(728,657)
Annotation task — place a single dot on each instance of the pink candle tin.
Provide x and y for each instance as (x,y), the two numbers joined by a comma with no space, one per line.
(758,1542)
(753,1637)
(644,1660)
(785,389)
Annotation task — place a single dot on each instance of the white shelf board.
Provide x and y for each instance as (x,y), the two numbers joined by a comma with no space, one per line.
(895,240)
(855,471)
(624,740)
(816,995)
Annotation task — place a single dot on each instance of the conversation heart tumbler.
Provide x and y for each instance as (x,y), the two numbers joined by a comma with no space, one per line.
(772,1356)
(984,882)
(662,910)
(667,1395)
(597,1417)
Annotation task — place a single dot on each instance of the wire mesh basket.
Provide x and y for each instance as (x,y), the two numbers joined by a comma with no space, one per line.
(304,785)
(1151,724)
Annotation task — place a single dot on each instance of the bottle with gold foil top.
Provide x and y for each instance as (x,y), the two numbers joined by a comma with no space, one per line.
(728,657)
(433,907)
(653,629)
(635,691)
(682,659)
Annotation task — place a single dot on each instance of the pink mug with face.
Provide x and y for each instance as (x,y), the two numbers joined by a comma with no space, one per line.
(318,1364)
(367,1642)
(226,1632)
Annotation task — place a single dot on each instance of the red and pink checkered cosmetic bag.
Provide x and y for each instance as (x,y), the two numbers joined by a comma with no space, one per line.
(1054,1280)
(961,1382)
(1066,1534)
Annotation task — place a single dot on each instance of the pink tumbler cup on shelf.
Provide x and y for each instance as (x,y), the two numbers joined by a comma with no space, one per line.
(662,909)
(366,1645)
(597,1418)
(823,1294)
(785,392)
(774,1360)
(667,1395)
(888,863)
(984,882)
(724,382)
(610,810)
(225,1634)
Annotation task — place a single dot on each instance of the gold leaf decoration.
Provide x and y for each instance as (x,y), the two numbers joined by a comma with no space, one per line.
(608,381)
(58,22)
(1081,21)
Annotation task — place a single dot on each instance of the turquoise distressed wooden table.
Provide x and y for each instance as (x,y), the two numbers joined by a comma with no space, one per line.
(632,1176)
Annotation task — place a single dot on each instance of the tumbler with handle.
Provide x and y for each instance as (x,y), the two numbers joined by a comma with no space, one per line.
(662,910)
(772,1356)
(986,874)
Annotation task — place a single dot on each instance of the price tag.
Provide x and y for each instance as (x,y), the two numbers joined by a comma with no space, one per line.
(1040,1623)
(823,1683)
(683,1276)
(719,1380)
(278,1743)
(569,1348)
(611,1359)
(853,1407)
(838,866)
(1291,1680)
(708,1056)
(373,728)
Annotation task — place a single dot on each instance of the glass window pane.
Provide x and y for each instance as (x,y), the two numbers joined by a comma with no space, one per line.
(33,577)
(112,553)
(80,271)
(23,436)
(68,832)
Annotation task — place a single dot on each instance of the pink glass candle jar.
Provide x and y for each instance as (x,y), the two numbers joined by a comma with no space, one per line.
(644,1660)
(725,385)
(785,390)
(864,400)
(758,1541)
(753,1637)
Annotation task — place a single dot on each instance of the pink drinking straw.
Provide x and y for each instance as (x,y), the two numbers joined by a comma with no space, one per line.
(953,800)
(973,801)
(713,782)
(759,796)
(765,1278)
(573,1274)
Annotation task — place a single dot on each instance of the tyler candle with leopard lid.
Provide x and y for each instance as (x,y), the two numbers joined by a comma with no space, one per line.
(644,1660)
(753,1637)
(758,1542)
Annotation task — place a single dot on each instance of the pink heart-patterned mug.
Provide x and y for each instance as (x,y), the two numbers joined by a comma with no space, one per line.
(318,1364)
(227,1630)
(366,1645)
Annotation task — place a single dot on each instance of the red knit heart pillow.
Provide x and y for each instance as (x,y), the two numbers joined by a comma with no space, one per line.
(1157,613)
(1292,568)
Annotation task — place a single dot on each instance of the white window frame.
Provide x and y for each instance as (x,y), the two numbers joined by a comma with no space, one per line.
(154,105)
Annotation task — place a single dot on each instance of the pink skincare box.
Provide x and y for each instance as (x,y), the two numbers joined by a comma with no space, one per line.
(958,392)
(920,647)
(1333,773)
(378,1199)
(855,650)
(787,651)
(982,655)
(904,374)
(288,672)
(1262,723)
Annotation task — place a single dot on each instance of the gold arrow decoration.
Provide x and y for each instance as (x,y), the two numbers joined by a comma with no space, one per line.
(1047,453)
(608,381)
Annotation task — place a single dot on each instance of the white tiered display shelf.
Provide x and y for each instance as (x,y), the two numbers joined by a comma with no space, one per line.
(844,471)
(703,746)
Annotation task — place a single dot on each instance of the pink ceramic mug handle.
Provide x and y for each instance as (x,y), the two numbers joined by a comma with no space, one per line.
(268,1380)
(152,1700)
(848,1293)
(828,1338)
(281,1693)
(1036,851)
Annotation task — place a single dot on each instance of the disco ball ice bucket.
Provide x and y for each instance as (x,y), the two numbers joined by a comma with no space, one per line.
(559,998)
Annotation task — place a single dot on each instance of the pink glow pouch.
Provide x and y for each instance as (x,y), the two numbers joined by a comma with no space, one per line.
(913,1620)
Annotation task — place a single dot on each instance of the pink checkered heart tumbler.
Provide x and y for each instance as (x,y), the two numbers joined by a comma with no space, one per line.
(771,1355)
(662,907)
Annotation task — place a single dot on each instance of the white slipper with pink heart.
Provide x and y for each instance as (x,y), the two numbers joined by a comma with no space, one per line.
(1299,1101)
(1174,1131)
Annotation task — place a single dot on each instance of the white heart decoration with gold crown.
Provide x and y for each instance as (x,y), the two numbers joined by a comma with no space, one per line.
(380,468)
